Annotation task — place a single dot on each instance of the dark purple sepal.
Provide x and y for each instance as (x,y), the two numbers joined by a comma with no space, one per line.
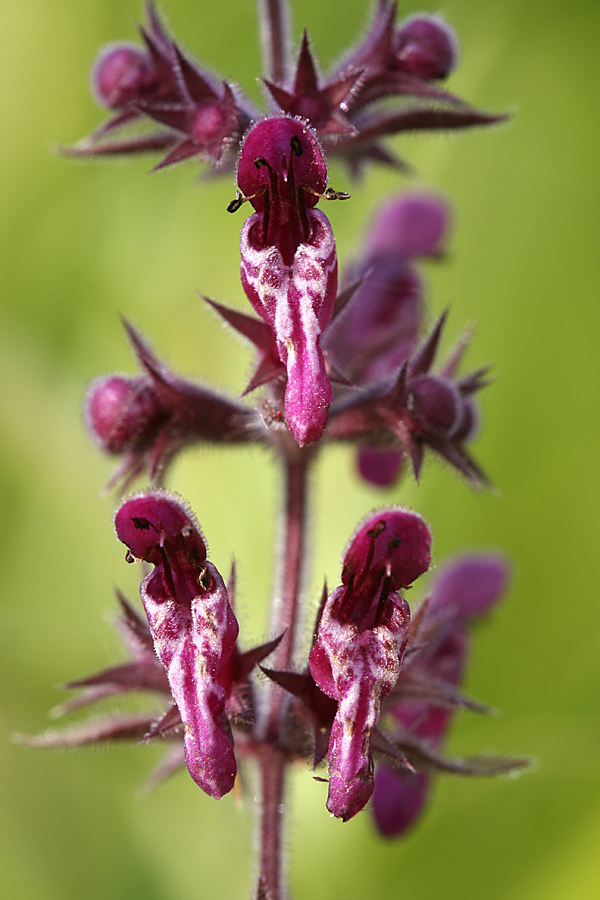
(110,728)
(321,105)
(318,707)
(259,333)
(145,143)
(420,408)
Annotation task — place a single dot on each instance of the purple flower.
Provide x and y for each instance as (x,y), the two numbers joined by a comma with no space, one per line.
(380,686)
(143,672)
(362,635)
(289,261)
(192,625)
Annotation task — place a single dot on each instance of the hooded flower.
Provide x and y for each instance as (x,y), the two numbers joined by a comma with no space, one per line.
(192,625)
(361,639)
(382,693)
(289,261)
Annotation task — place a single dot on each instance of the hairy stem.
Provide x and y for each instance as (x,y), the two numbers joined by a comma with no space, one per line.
(273,759)
(275,26)
(272,775)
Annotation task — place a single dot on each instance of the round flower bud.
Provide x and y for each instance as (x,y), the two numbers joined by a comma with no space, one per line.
(436,404)
(380,466)
(467,426)
(408,226)
(121,413)
(426,46)
(120,75)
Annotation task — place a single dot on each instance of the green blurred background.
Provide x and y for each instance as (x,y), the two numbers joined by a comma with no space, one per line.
(82,242)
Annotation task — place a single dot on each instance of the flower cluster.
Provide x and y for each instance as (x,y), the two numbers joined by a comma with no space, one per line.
(348,361)
(201,115)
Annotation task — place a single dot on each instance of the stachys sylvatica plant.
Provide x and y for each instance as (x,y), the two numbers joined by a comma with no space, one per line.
(337,358)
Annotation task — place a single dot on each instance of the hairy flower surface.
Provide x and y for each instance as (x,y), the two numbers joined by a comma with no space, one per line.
(289,261)
(192,625)
(362,635)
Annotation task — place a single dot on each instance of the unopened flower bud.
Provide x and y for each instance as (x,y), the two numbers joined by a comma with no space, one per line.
(468,426)
(425,46)
(435,404)
(379,466)
(469,587)
(411,225)
(122,412)
(120,75)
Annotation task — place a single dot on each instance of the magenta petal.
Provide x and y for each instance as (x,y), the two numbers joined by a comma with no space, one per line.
(190,644)
(192,625)
(470,586)
(398,799)
(357,668)
(378,466)
(297,301)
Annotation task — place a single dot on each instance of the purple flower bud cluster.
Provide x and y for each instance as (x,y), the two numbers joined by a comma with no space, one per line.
(148,419)
(200,115)
(353,362)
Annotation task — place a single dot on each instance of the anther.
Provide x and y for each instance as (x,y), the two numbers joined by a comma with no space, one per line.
(236,203)
(329,194)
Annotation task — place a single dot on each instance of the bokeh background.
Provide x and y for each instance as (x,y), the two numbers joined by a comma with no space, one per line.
(82,242)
